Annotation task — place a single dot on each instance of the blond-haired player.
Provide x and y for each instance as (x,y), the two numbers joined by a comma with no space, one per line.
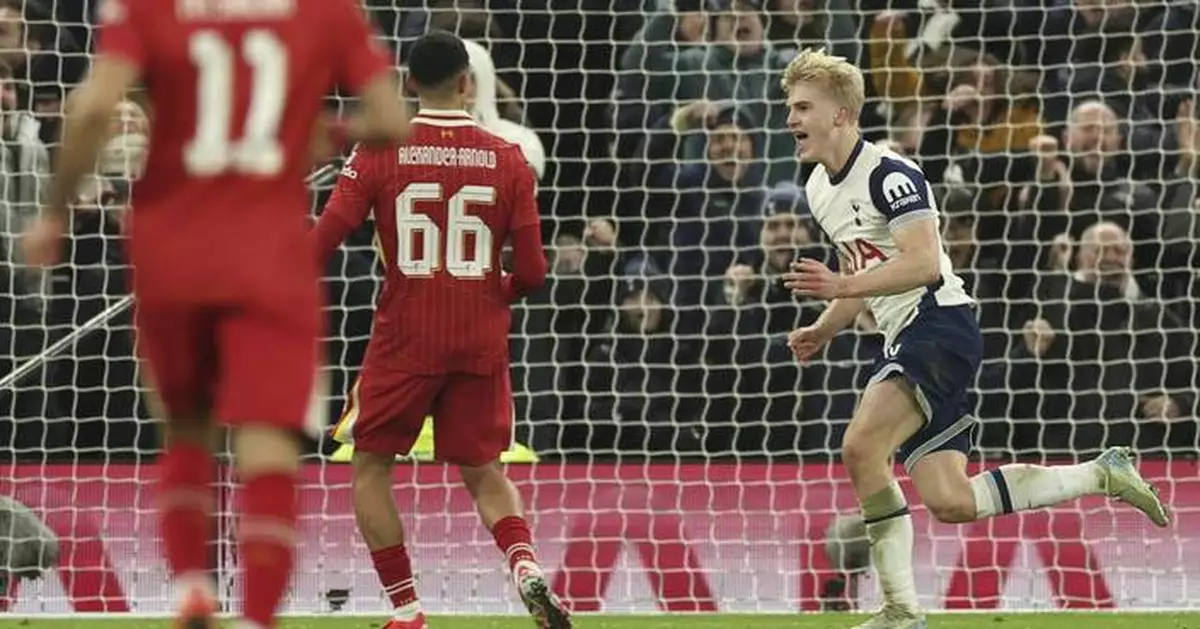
(879,211)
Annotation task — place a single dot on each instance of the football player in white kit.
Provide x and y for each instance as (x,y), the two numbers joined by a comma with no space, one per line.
(879,211)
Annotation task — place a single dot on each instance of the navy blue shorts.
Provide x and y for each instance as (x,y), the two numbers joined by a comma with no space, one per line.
(939,354)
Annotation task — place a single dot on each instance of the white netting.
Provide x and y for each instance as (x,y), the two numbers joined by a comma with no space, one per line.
(686,461)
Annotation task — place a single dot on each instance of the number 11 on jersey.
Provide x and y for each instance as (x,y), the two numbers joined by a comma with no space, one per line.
(258,152)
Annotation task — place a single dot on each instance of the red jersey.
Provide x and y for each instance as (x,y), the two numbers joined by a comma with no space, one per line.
(236,89)
(445,202)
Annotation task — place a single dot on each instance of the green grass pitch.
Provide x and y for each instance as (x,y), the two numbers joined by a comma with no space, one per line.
(714,621)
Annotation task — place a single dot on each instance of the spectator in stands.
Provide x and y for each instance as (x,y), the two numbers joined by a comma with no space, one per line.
(715,206)
(652,57)
(24,176)
(46,60)
(483,106)
(1117,370)
(738,66)
(1123,80)
(1088,184)
(801,24)
(571,314)
(1181,219)
(976,114)
(97,382)
(1170,42)
(643,380)
(752,374)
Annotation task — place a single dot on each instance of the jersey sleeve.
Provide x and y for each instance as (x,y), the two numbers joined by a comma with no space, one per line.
(900,193)
(360,56)
(524,192)
(348,205)
(120,34)
(525,232)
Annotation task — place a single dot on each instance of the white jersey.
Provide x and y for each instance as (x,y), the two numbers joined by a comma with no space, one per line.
(877,191)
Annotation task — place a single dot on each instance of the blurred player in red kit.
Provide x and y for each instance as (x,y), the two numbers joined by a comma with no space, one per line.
(445,201)
(227,289)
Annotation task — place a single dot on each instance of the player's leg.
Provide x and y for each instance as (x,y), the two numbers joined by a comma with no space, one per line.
(888,415)
(177,367)
(941,481)
(379,523)
(911,404)
(383,418)
(473,426)
(265,393)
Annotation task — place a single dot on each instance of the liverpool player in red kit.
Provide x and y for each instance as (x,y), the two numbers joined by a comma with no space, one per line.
(227,289)
(445,202)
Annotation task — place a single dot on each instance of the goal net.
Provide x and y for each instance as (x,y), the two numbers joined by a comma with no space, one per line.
(672,453)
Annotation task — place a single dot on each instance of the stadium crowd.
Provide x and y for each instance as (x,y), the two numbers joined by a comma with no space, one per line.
(1061,137)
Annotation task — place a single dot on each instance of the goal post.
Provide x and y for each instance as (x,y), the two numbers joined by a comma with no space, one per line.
(672,454)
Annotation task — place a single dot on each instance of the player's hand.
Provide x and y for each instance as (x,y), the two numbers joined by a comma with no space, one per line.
(811,278)
(42,243)
(806,342)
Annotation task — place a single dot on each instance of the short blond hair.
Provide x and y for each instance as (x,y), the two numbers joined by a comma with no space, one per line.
(843,81)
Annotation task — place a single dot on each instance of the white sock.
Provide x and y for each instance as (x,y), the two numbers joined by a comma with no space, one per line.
(1021,487)
(407,612)
(890,530)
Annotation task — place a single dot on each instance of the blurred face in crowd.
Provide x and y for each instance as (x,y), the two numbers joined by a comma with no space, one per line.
(641,312)
(959,235)
(1133,61)
(12,37)
(797,12)
(1105,255)
(816,120)
(1093,134)
(780,235)
(692,26)
(730,150)
(741,30)
(568,255)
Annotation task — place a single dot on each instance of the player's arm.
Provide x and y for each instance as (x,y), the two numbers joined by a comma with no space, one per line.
(364,69)
(900,193)
(525,235)
(348,205)
(86,126)
(840,312)
(121,55)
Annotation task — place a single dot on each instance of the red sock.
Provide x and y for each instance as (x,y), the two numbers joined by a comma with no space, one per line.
(513,537)
(185,498)
(267,535)
(395,574)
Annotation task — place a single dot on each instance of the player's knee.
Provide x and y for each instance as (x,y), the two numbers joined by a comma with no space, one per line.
(265,450)
(860,453)
(477,477)
(371,470)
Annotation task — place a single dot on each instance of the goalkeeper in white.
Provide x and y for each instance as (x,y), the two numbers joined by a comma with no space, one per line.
(878,209)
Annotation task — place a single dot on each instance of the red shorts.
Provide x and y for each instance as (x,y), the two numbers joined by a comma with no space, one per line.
(237,365)
(472,414)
